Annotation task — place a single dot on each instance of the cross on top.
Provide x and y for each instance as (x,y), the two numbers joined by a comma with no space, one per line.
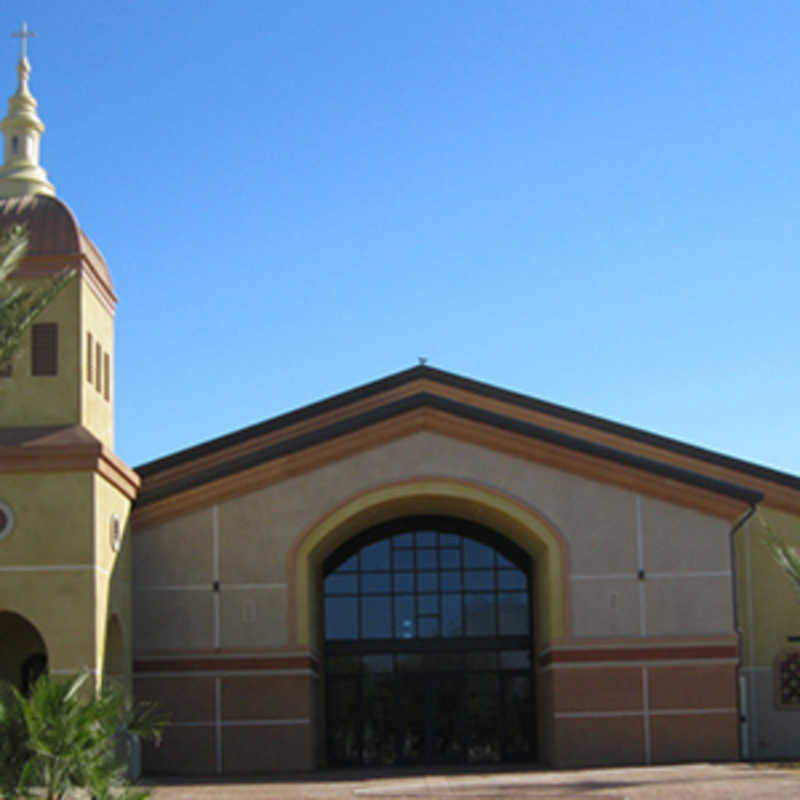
(23,36)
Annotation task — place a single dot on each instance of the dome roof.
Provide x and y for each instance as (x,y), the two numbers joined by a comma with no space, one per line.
(56,241)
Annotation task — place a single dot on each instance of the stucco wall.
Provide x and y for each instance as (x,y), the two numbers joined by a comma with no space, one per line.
(57,566)
(96,411)
(769,613)
(610,533)
(47,399)
(113,578)
(222,581)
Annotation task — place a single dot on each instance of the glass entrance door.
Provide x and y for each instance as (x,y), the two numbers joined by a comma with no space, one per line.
(445,700)
(430,712)
(397,716)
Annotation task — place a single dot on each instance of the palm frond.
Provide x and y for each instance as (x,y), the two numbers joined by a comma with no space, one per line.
(20,304)
(784,554)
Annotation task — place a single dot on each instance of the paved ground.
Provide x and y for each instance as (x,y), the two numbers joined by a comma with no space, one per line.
(691,781)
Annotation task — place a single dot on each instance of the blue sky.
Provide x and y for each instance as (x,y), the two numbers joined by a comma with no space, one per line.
(595,203)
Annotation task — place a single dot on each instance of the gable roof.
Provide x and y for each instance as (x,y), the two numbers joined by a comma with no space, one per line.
(426,398)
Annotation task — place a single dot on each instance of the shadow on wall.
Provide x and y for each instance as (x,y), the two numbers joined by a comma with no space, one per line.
(23,656)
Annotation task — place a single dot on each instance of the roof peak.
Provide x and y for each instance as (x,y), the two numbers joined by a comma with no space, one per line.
(21,173)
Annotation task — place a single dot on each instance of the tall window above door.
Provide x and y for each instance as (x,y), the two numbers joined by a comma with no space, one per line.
(434,580)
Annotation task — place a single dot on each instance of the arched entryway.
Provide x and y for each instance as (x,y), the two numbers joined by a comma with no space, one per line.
(23,655)
(511,519)
(428,645)
(115,666)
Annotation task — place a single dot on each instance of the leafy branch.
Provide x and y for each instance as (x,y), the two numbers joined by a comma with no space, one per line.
(785,555)
(20,304)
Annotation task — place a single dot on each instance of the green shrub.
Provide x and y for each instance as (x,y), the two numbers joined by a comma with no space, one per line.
(63,737)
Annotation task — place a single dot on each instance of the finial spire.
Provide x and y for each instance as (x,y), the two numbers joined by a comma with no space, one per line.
(23,35)
(21,173)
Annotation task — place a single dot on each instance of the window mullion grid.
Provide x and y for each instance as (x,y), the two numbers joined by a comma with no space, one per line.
(358,598)
(392,604)
(439,589)
(462,578)
(496,577)
(416,587)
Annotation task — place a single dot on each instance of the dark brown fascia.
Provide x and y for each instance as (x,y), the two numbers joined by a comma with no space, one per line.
(476,387)
(483,389)
(412,403)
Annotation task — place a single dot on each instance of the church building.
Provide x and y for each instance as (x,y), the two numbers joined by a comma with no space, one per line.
(422,570)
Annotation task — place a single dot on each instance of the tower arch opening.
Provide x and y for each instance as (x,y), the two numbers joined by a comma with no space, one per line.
(115,667)
(23,657)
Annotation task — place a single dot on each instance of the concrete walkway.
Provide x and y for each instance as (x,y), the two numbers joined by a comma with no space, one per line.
(692,781)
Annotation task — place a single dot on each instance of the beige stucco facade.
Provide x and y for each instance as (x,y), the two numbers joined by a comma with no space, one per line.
(605,535)
(632,603)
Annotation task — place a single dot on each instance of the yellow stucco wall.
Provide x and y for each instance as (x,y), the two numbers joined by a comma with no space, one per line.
(54,518)
(68,397)
(97,413)
(46,562)
(60,605)
(113,579)
(57,566)
(769,608)
(769,613)
(47,399)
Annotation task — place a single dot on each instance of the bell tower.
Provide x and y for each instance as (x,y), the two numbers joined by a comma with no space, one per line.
(64,372)
(65,496)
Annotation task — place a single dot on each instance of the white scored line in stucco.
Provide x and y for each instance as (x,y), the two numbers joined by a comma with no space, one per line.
(171,587)
(240,723)
(596,714)
(667,712)
(710,573)
(616,576)
(639,534)
(204,587)
(215,570)
(665,662)
(215,542)
(58,568)
(642,587)
(672,712)
(252,586)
